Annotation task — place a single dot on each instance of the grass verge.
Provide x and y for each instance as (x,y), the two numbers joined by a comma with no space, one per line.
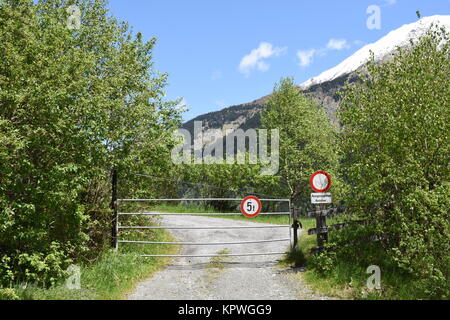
(345,276)
(113,276)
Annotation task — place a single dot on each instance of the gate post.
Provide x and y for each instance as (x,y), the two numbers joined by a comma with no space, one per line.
(114,229)
(295,225)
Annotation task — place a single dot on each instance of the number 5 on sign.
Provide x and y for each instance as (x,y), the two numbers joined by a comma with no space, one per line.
(250,206)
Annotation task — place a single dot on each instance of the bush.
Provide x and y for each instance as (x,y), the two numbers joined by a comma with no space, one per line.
(323,262)
(40,268)
(73,104)
(8,294)
(396,147)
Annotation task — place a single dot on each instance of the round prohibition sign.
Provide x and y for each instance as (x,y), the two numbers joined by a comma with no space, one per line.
(251,206)
(320,181)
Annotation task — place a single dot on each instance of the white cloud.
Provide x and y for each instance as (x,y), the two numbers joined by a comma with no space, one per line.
(337,44)
(255,59)
(306,57)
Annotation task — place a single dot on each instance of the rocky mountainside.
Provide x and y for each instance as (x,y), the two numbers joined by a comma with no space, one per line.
(324,88)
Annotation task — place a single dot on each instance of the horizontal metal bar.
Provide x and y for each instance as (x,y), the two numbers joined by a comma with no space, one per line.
(202,243)
(197,199)
(201,228)
(198,214)
(212,255)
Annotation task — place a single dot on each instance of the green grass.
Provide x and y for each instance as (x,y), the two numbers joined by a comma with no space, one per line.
(217,262)
(328,286)
(347,278)
(299,258)
(114,274)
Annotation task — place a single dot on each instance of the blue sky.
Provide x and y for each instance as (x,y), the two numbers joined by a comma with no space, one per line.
(223,53)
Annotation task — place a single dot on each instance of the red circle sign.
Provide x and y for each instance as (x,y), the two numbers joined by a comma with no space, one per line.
(320,181)
(251,206)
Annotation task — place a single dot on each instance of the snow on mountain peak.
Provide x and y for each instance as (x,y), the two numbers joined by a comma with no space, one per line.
(396,38)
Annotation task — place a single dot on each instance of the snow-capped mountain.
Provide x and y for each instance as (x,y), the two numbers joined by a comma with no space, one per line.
(398,38)
(325,86)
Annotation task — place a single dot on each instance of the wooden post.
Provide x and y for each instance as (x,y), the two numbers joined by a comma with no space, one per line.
(321,223)
(324,224)
(318,227)
(114,228)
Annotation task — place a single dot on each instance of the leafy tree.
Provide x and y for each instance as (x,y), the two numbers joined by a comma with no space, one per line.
(216,180)
(396,145)
(307,138)
(73,104)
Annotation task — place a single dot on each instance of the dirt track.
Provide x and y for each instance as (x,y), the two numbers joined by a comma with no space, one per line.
(224,278)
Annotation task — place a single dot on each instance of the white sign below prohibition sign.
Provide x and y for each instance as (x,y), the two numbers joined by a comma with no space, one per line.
(251,206)
(321,198)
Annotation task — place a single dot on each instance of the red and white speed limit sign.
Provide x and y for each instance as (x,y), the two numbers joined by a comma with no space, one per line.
(320,181)
(251,206)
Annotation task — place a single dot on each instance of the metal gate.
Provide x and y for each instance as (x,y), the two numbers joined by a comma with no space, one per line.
(119,228)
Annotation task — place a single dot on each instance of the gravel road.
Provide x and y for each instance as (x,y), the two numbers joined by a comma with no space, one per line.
(224,278)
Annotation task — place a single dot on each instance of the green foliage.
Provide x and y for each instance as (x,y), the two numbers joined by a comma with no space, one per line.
(8,294)
(341,272)
(38,267)
(323,262)
(307,139)
(73,104)
(224,181)
(111,276)
(395,144)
